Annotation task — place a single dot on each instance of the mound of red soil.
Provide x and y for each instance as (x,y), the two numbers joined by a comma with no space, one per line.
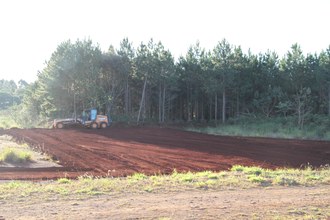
(120,151)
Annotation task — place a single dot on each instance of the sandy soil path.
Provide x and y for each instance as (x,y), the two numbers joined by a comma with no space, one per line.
(256,203)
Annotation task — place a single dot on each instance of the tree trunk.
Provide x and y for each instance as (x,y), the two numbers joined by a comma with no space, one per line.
(216,108)
(188,104)
(237,105)
(202,111)
(302,119)
(210,111)
(181,113)
(163,107)
(142,99)
(126,98)
(224,106)
(146,106)
(196,112)
(129,100)
(329,100)
(299,112)
(108,110)
(74,107)
(160,104)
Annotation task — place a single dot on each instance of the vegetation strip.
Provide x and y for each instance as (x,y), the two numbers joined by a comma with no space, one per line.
(265,127)
(11,155)
(237,177)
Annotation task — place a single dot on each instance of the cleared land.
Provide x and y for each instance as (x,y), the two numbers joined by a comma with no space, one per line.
(258,203)
(121,151)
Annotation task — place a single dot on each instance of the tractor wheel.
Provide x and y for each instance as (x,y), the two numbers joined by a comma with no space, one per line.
(94,125)
(59,125)
(104,125)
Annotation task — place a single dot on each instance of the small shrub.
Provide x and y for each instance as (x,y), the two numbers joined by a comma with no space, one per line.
(188,177)
(256,179)
(253,170)
(313,177)
(63,181)
(211,182)
(6,121)
(14,185)
(201,185)
(11,155)
(138,176)
(184,177)
(148,189)
(237,168)
(86,178)
(247,170)
(62,190)
(285,181)
(223,174)
(213,176)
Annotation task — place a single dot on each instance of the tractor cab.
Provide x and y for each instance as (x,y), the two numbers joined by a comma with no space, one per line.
(94,120)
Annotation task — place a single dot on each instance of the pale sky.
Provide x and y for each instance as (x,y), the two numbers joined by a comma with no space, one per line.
(32,30)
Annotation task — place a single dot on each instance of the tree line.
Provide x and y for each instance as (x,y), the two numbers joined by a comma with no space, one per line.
(147,83)
(11,93)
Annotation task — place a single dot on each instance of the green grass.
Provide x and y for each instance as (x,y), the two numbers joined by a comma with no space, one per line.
(6,120)
(237,177)
(64,180)
(12,155)
(317,128)
(19,117)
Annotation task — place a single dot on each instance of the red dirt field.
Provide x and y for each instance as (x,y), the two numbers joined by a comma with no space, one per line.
(121,151)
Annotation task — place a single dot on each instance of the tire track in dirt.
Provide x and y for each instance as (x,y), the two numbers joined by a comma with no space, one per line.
(76,150)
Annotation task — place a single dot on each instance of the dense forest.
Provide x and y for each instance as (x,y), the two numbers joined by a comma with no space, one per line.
(148,84)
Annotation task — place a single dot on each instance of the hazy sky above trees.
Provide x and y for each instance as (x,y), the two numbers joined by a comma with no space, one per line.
(32,30)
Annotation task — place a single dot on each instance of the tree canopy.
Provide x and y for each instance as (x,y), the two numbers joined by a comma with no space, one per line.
(146,83)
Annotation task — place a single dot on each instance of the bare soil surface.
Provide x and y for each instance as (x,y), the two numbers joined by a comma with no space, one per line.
(255,203)
(121,151)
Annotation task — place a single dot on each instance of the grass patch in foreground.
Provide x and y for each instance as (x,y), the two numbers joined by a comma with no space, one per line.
(12,155)
(238,177)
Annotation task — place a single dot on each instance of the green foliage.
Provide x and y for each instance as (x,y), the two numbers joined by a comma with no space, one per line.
(237,168)
(10,93)
(64,181)
(285,181)
(257,179)
(138,176)
(7,100)
(254,174)
(316,127)
(253,170)
(72,75)
(213,176)
(11,155)
(25,116)
(145,83)
(7,119)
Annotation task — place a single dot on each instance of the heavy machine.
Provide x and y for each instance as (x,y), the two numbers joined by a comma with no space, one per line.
(89,119)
